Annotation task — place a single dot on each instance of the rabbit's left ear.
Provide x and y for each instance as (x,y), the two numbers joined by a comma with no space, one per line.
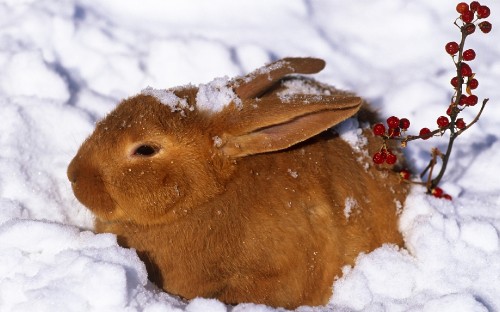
(267,127)
(260,80)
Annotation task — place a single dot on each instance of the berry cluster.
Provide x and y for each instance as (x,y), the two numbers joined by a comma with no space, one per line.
(475,10)
(464,83)
(395,127)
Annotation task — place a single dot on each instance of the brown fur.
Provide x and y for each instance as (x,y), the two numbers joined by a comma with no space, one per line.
(258,218)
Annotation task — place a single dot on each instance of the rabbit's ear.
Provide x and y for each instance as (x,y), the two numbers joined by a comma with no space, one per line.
(258,81)
(266,127)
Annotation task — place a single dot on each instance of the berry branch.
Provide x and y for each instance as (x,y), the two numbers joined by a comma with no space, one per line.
(470,16)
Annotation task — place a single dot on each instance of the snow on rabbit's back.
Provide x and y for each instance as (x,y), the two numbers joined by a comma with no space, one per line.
(235,190)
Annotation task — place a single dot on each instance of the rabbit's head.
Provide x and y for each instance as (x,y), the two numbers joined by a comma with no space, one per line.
(162,153)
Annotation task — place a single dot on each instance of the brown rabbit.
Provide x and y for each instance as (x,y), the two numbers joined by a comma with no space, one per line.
(249,203)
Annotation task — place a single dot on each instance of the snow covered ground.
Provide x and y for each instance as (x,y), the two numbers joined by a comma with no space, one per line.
(64,64)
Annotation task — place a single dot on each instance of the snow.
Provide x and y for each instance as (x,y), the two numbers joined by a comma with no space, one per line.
(452,261)
(294,174)
(216,95)
(52,267)
(65,64)
(297,86)
(217,141)
(349,206)
(168,98)
(351,131)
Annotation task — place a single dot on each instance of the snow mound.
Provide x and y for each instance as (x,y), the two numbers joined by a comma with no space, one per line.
(446,266)
(42,265)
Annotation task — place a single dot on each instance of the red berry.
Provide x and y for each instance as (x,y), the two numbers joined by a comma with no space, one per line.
(404,123)
(393,122)
(379,129)
(462,7)
(460,123)
(473,84)
(394,132)
(437,192)
(474,5)
(470,29)
(454,82)
(425,133)
(465,69)
(469,55)
(443,121)
(471,100)
(467,17)
(462,100)
(391,158)
(405,174)
(452,47)
(483,11)
(379,158)
(447,196)
(485,27)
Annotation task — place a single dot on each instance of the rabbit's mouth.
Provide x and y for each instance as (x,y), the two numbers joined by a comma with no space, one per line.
(90,189)
(96,200)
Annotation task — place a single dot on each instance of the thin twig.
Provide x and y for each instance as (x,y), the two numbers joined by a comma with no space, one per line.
(476,118)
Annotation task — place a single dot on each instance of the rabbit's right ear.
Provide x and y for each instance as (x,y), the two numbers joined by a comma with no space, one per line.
(271,124)
(258,81)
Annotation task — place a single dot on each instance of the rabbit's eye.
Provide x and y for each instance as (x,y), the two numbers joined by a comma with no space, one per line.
(145,150)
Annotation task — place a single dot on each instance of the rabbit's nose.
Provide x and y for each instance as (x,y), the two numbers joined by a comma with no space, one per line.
(72,172)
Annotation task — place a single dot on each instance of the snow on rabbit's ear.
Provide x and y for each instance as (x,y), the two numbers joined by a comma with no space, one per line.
(271,125)
(261,79)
